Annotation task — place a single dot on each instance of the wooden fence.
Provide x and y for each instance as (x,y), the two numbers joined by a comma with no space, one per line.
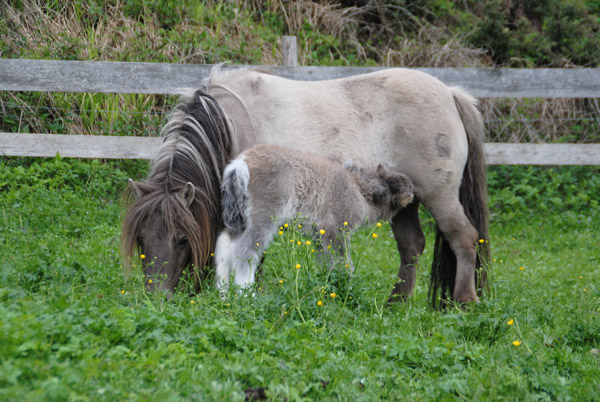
(160,78)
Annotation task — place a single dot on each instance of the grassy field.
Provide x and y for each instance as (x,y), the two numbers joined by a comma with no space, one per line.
(72,328)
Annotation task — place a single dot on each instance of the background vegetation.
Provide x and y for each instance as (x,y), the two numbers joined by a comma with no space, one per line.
(422,33)
(72,328)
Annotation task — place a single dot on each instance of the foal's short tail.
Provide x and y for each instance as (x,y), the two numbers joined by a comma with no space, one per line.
(235,195)
(473,197)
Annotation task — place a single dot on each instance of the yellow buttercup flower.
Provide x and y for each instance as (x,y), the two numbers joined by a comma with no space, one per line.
(298,266)
(522,268)
(281,281)
(345,223)
(142,256)
(122,292)
(191,302)
(285,225)
(378,224)
(149,280)
(517,343)
(280,233)
(299,243)
(481,241)
(319,303)
(510,322)
(308,242)
(212,254)
(374,235)
(300,226)
(322,232)
(333,295)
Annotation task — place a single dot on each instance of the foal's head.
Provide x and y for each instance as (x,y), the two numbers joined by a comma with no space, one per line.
(400,187)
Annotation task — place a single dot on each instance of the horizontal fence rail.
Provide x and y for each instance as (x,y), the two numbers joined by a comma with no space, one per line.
(163,78)
(110,147)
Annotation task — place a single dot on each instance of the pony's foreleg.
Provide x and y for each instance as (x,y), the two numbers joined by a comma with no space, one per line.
(410,242)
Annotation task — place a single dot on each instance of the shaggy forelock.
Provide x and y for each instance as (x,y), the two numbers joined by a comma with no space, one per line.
(197,145)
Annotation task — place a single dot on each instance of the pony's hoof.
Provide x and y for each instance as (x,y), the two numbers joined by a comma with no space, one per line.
(467,299)
(400,293)
(393,299)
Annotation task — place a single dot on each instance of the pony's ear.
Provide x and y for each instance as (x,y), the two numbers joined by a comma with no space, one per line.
(380,170)
(188,193)
(136,189)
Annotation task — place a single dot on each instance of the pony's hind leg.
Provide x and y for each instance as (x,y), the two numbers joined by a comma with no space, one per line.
(410,242)
(462,238)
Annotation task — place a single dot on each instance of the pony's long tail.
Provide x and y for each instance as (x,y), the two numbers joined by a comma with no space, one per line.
(473,197)
(235,195)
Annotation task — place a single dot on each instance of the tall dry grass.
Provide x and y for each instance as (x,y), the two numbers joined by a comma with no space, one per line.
(375,31)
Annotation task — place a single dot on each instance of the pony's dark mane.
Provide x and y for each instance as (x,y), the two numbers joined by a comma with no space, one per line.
(197,145)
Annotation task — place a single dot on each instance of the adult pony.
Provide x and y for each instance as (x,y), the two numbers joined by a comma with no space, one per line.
(401,118)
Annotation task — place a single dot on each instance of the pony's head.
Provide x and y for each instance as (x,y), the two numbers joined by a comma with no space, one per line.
(175,215)
(163,228)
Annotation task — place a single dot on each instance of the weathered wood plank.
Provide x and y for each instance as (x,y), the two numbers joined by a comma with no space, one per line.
(542,154)
(289,50)
(78,146)
(162,78)
(109,147)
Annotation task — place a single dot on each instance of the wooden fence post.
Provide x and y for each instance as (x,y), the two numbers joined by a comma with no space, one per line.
(289,50)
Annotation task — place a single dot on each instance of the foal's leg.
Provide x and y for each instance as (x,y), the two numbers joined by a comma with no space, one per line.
(245,260)
(248,250)
(410,242)
(223,260)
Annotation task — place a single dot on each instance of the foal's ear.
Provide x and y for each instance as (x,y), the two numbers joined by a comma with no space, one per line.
(380,170)
(188,193)
(136,189)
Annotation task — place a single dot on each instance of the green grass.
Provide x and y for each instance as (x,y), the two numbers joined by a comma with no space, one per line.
(72,328)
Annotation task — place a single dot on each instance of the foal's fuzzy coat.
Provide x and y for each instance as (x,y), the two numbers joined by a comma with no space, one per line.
(268,185)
